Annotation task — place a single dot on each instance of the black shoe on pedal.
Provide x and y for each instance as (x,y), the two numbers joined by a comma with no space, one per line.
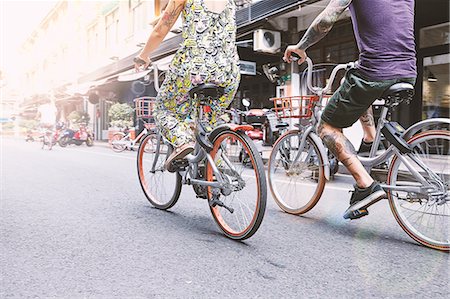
(362,198)
(365,147)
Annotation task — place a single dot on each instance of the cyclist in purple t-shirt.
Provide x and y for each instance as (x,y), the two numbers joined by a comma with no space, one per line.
(384,32)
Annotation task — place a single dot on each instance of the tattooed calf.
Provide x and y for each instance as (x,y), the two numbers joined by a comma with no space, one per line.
(338,145)
(367,119)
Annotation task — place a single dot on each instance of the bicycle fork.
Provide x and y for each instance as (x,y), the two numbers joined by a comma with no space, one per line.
(322,151)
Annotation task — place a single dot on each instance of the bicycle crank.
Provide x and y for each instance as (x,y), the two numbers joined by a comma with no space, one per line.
(217,202)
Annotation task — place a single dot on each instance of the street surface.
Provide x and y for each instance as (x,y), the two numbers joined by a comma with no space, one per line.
(75,224)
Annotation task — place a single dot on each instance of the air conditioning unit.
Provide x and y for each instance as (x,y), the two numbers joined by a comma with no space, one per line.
(266,41)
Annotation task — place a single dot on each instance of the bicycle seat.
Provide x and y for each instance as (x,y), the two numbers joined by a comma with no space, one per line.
(398,93)
(206,90)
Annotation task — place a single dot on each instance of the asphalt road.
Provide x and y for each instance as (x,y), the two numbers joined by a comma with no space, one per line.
(75,224)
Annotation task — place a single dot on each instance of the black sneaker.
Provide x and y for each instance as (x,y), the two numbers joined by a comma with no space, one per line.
(362,198)
(364,151)
(364,148)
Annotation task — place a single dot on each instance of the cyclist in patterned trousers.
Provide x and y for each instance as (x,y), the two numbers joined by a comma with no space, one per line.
(208,54)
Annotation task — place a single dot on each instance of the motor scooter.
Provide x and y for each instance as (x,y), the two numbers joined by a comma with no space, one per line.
(70,136)
(256,118)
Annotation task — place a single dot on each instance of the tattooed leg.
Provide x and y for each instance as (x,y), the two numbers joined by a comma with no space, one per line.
(368,125)
(344,151)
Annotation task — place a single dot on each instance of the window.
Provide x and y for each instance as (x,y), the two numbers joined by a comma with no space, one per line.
(139,15)
(112,29)
(436,86)
(92,41)
(435,35)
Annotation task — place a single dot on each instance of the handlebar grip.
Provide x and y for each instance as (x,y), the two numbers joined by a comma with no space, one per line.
(295,56)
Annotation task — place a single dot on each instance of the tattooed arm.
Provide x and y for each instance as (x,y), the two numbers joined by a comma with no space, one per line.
(165,23)
(318,29)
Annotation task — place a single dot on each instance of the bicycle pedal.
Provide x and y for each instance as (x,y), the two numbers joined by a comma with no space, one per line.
(353,215)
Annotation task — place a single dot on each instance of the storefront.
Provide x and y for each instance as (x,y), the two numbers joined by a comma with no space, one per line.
(433,60)
(265,75)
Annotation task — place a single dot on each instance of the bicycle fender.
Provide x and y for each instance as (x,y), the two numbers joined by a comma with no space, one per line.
(323,153)
(413,129)
(232,127)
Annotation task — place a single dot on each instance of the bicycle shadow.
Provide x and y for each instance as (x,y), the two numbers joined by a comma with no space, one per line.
(202,224)
(352,230)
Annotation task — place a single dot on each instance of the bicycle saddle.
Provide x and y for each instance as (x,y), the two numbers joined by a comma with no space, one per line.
(398,93)
(206,90)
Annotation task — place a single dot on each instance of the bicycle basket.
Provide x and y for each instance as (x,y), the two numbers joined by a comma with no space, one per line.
(144,108)
(294,107)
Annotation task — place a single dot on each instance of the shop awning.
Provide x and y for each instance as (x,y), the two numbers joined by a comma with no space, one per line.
(83,88)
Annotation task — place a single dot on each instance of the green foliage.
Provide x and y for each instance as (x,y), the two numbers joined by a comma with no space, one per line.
(79,117)
(121,115)
(7,126)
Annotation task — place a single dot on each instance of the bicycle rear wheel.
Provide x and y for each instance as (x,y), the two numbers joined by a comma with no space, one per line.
(424,217)
(162,188)
(296,187)
(247,190)
(115,142)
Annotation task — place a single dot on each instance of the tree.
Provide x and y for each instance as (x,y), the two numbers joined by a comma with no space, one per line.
(79,117)
(121,115)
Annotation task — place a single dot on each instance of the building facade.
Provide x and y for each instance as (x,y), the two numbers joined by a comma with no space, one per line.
(83,50)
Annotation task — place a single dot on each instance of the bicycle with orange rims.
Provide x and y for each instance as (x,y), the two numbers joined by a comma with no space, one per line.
(236,194)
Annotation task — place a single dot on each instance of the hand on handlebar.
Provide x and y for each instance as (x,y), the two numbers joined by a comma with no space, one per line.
(293,53)
(141,63)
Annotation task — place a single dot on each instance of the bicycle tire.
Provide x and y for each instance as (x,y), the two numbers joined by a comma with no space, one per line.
(117,147)
(161,188)
(310,174)
(63,141)
(89,142)
(250,184)
(432,148)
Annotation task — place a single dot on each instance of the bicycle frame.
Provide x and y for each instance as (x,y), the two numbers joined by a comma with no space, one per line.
(131,142)
(373,159)
(191,175)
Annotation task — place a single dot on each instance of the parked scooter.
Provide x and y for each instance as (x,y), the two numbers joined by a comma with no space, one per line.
(271,129)
(256,118)
(70,136)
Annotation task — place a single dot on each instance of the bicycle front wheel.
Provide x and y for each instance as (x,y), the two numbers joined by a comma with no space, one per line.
(424,215)
(115,142)
(296,177)
(162,188)
(244,193)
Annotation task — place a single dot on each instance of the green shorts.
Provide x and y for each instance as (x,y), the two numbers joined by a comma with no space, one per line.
(354,97)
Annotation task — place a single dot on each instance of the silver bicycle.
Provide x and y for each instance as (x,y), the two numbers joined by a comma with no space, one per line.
(417,182)
(236,194)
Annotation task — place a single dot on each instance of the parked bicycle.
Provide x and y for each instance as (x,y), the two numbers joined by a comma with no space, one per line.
(236,194)
(49,136)
(418,176)
(121,141)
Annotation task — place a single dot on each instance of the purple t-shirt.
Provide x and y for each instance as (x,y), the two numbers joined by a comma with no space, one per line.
(384,32)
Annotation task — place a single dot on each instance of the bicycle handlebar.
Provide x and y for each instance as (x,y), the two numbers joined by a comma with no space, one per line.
(318,90)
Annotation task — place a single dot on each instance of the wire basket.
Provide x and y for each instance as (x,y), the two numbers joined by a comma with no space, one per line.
(294,107)
(144,108)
